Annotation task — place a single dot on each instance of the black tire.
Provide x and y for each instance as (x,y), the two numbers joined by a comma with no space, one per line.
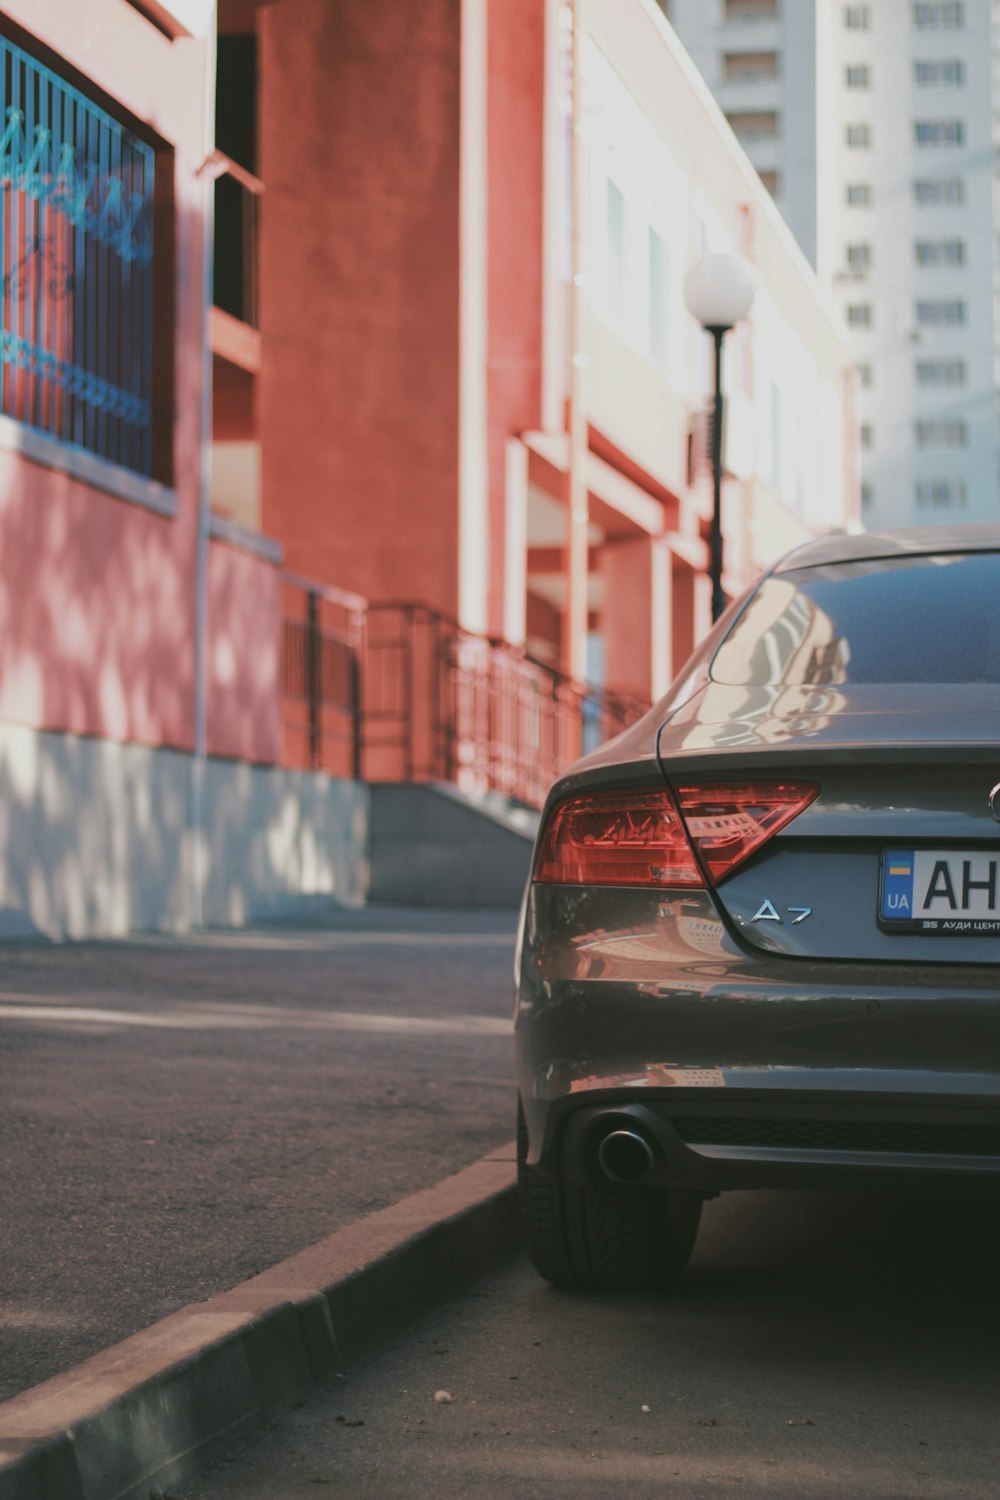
(613,1239)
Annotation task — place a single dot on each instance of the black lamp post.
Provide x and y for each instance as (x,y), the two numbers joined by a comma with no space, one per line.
(719,291)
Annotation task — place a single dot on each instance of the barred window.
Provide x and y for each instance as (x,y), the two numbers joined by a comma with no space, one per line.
(859,194)
(858,135)
(858,76)
(857,17)
(77,243)
(859,314)
(859,258)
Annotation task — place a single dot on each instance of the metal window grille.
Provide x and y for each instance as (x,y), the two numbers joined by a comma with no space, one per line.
(76,254)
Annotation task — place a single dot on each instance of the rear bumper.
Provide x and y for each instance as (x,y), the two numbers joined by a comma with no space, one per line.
(802,1142)
(749,1070)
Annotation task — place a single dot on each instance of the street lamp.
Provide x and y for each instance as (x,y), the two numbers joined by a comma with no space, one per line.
(719,291)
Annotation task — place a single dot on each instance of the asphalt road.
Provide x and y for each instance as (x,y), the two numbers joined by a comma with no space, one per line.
(178,1114)
(824,1348)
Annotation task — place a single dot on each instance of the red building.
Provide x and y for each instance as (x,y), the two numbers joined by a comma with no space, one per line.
(297,472)
(408,434)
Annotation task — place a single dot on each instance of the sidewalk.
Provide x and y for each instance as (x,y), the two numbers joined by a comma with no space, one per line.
(180,1114)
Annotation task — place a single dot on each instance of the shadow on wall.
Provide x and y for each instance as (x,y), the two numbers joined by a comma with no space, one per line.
(95,838)
(279,843)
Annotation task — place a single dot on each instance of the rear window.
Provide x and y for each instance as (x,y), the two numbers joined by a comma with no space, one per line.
(906,619)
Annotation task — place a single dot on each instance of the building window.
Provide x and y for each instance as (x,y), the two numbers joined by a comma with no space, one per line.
(857,17)
(941,71)
(76,294)
(751,10)
(859,259)
(940,371)
(748,66)
(858,76)
(867,497)
(935,190)
(939,252)
(859,195)
(938,15)
(935,433)
(864,370)
(754,125)
(947,314)
(867,435)
(771,181)
(939,132)
(859,315)
(657,298)
(616,251)
(858,136)
(940,494)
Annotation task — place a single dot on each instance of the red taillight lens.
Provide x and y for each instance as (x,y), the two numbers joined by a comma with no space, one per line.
(727,823)
(617,838)
(640,838)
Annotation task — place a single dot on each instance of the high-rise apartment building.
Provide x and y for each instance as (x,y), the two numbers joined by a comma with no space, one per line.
(873,126)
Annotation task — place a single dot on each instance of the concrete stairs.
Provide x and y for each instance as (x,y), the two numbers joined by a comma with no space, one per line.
(434,845)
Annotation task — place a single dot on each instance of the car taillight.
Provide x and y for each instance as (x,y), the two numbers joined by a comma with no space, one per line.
(617,838)
(645,837)
(727,823)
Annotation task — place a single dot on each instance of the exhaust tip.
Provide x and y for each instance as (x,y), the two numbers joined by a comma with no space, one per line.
(625,1157)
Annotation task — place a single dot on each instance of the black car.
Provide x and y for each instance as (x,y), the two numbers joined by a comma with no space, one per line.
(760,942)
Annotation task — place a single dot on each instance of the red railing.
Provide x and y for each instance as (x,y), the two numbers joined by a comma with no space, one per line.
(417,698)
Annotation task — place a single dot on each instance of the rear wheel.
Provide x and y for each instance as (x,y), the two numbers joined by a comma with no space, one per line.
(608,1238)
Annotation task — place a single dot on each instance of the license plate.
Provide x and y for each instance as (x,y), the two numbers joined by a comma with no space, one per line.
(946,891)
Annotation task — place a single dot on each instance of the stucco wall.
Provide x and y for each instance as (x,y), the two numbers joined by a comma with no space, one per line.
(359,389)
(96,592)
(95,838)
(243,667)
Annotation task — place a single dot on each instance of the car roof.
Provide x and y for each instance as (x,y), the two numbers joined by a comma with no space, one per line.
(984,537)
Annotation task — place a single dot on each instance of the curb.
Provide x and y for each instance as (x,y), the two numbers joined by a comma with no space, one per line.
(152,1409)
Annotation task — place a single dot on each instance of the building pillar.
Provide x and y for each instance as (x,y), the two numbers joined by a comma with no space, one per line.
(515,542)
(636,616)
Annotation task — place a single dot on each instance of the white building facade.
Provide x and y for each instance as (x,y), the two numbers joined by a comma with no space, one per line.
(873,126)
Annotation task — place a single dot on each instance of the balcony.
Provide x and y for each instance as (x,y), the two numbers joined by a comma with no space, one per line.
(234,339)
(234,329)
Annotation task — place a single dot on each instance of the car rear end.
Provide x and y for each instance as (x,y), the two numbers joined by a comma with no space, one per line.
(761,944)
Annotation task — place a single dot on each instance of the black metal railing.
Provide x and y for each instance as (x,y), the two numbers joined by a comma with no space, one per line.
(322,651)
(444,704)
(417,698)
